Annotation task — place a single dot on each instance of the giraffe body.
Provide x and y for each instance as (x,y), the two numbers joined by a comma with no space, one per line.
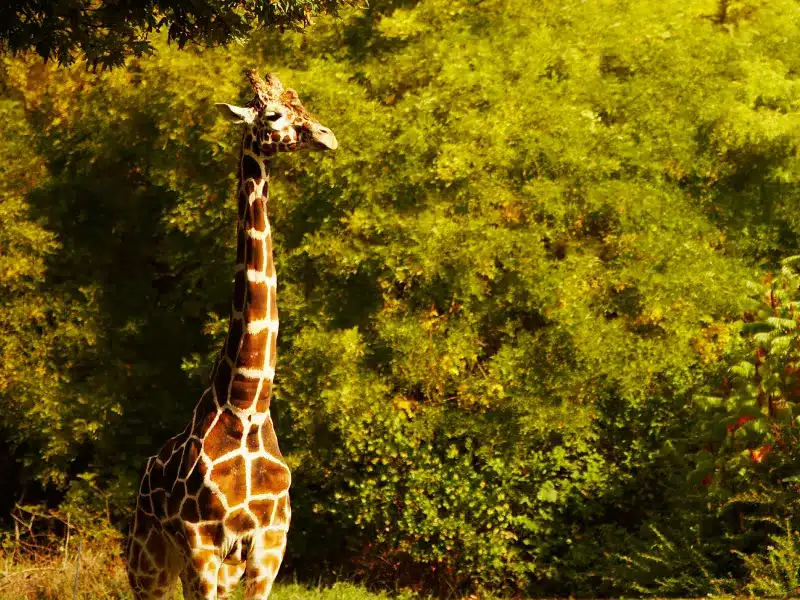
(213,504)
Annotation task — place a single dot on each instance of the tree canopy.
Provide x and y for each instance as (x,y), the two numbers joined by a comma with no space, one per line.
(106,32)
(517,304)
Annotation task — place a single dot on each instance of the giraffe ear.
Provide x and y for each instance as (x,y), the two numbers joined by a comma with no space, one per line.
(237,114)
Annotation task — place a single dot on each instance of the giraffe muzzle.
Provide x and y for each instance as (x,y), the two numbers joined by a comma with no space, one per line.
(324,137)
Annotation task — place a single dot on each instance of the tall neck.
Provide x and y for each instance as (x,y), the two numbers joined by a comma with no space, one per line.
(246,367)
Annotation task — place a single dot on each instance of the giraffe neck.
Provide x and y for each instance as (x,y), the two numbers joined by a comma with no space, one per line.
(246,367)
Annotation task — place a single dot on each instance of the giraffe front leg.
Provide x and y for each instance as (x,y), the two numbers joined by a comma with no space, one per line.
(263,561)
(200,576)
(152,570)
(229,575)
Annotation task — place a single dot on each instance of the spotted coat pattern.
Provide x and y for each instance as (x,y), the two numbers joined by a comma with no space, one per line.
(213,504)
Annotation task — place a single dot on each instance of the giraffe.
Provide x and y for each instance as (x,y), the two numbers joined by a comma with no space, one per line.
(213,504)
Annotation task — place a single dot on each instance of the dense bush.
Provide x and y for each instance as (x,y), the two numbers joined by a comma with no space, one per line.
(502,299)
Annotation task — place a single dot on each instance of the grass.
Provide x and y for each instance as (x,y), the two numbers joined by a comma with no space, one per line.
(102,577)
(338,591)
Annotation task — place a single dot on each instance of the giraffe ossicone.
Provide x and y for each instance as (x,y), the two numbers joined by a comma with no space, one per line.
(213,504)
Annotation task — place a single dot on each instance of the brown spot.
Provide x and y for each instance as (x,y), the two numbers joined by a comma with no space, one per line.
(222,379)
(153,475)
(248,139)
(282,510)
(275,136)
(143,524)
(212,534)
(240,257)
(234,337)
(250,168)
(191,452)
(257,214)
(206,588)
(134,547)
(256,589)
(230,477)
(234,570)
(239,521)
(145,581)
(157,549)
(171,471)
(236,554)
(270,440)
(256,301)
(195,480)
(254,148)
(178,489)
(166,450)
(274,539)
(271,563)
(253,349)
(211,508)
(241,203)
(270,270)
(252,439)
(226,436)
(243,391)
(207,412)
(286,139)
(146,504)
(249,187)
(268,149)
(159,502)
(175,498)
(145,564)
(273,349)
(163,577)
(193,586)
(190,513)
(267,476)
(239,290)
(200,560)
(273,305)
(263,510)
(264,396)
(255,254)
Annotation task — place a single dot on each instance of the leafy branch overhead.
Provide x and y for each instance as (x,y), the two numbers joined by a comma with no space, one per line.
(106,32)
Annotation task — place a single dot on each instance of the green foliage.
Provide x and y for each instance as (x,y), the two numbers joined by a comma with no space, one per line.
(671,567)
(106,33)
(338,591)
(436,492)
(498,299)
(750,429)
(748,433)
(777,573)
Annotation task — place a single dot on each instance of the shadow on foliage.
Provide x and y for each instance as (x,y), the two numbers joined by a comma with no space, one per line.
(140,281)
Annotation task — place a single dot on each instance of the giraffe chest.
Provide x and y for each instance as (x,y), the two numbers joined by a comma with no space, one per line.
(242,463)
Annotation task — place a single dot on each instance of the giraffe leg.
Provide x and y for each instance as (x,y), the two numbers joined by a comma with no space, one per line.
(263,561)
(229,576)
(199,576)
(151,572)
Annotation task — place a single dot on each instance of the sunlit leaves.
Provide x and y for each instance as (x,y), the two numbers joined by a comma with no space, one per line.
(496,297)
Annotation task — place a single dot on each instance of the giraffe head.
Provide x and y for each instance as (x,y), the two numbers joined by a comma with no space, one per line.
(276,121)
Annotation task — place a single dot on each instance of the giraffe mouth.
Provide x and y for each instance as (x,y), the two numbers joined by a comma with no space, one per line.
(325,139)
